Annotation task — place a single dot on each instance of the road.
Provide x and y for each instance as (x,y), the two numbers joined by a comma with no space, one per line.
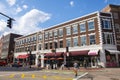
(38,74)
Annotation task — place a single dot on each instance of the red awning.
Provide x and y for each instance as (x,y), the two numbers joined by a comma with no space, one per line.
(58,54)
(78,53)
(23,56)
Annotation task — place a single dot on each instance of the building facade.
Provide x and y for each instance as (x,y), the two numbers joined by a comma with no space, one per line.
(7,47)
(90,40)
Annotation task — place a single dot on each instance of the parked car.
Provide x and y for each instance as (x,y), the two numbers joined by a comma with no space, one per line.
(16,64)
(3,63)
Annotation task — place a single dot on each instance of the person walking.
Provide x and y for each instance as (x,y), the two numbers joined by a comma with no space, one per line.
(76,68)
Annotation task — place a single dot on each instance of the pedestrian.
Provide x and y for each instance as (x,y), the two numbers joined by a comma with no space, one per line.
(63,65)
(76,68)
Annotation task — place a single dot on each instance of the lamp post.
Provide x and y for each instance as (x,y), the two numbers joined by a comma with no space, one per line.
(68,54)
(30,57)
(55,46)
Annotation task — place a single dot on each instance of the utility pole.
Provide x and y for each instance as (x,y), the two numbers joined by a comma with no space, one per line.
(9,21)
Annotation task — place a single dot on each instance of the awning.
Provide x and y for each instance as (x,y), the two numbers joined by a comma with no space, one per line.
(93,52)
(77,53)
(57,54)
(23,56)
(113,51)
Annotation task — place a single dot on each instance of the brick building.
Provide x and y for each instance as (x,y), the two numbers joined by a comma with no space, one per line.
(92,39)
(7,46)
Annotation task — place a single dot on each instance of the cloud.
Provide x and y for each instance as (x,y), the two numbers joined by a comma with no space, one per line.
(25,6)
(29,22)
(2,25)
(11,2)
(19,9)
(71,3)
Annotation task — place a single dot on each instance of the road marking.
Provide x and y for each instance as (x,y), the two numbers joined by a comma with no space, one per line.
(33,76)
(12,75)
(23,75)
(44,76)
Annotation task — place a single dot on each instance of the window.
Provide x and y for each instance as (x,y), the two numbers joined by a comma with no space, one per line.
(60,32)
(75,29)
(46,45)
(68,42)
(50,45)
(40,46)
(82,27)
(34,38)
(61,44)
(92,39)
(83,40)
(50,34)
(115,15)
(91,25)
(117,28)
(68,31)
(55,33)
(108,37)
(75,41)
(106,24)
(40,37)
(46,35)
(34,47)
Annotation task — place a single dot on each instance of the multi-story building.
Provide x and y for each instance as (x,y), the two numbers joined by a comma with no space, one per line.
(1,40)
(7,47)
(90,39)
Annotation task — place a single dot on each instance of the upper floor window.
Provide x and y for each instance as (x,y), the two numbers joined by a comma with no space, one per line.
(106,24)
(75,41)
(92,39)
(68,42)
(55,33)
(82,27)
(46,35)
(34,38)
(50,34)
(91,25)
(117,28)
(83,40)
(108,37)
(61,44)
(60,32)
(68,31)
(115,15)
(46,45)
(40,37)
(40,46)
(75,29)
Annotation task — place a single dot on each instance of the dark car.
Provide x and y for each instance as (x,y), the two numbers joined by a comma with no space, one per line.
(16,64)
(3,63)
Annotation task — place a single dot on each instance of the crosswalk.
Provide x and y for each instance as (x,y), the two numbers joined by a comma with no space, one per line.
(46,77)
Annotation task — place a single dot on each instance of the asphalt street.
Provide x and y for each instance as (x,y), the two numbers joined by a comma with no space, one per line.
(8,73)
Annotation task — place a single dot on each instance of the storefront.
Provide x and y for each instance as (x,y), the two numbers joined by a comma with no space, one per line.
(112,58)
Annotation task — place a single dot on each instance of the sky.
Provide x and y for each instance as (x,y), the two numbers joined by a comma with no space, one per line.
(33,15)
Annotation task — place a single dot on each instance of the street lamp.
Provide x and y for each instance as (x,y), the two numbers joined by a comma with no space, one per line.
(55,46)
(30,57)
(68,54)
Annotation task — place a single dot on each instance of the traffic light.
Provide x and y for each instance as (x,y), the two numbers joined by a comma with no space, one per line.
(9,23)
